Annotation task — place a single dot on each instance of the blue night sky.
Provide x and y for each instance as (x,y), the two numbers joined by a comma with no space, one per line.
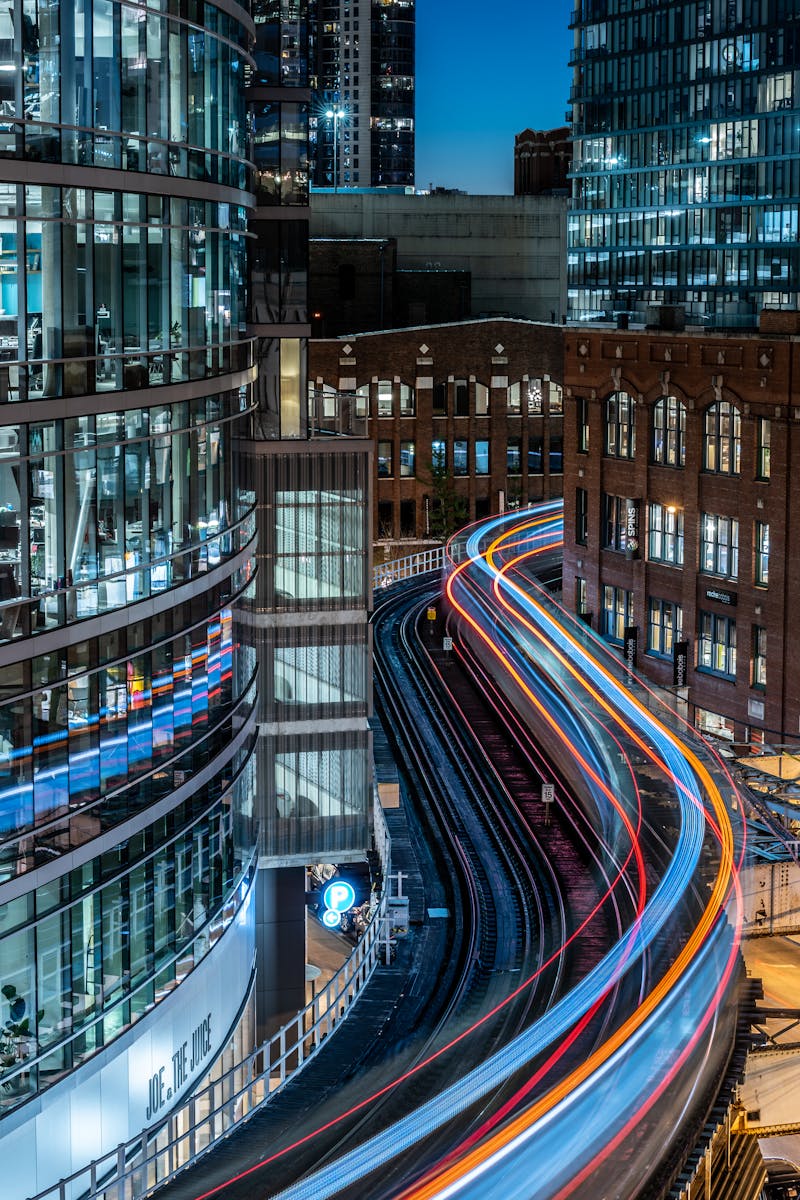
(485,72)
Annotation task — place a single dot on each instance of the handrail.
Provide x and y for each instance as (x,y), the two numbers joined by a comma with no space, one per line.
(156,1156)
(406,568)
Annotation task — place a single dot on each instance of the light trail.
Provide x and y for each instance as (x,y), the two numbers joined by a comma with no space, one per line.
(552,1143)
(459,1177)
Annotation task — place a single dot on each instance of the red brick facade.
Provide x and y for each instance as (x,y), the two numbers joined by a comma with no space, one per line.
(448,367)
(736,393)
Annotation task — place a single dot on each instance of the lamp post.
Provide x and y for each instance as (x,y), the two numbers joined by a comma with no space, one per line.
(336,115)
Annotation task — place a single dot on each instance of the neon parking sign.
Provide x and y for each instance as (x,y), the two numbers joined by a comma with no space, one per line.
(339,896)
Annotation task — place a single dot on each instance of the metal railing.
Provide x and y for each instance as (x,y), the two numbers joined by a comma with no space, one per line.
(136,1168)
(386,574)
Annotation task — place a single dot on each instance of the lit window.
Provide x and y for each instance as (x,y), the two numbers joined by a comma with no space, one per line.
(758,668)
(762,554)
(407,458)
(722,441)
(664,627)
(482,456)
(617,612)
(614,531)
(582,417)
(719,545)
(763,448)
(384,393)
(460,456)
(439,456)
(620,425)
(717,650)
(384,460)
(665,535)
(669,432)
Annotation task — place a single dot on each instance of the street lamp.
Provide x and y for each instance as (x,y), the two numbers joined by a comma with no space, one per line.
(336,115)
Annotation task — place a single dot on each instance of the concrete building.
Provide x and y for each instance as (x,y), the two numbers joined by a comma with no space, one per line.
(513,247)
(681,495)
(363,75)
(358,287)
(465,417)
(686,170)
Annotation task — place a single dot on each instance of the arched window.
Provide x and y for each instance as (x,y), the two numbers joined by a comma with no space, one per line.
(669,432)
(620,425)
(722,438)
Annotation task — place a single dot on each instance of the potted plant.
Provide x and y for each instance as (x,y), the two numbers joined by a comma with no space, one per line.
(16,1035)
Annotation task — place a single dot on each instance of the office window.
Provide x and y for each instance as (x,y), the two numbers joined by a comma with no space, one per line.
(762,554)
(514,456)
(665,535)
(762,448)
(438,456)
(719,545)
(406,400)
(556,457)
(460,462)
(617,612)
(514,398)
(722,438)
(664,627)
(758,666)
(669,432)
(481,400)
(461,398)
(620,413)
(581,515)
(582,418)
(555,399)
(613,512)
(535,454)
(717,650)
(482,456)
(385,460)
(525,397)
(385,402)
(407,458)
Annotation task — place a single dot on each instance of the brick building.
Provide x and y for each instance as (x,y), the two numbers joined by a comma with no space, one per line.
(482,398)
(679,512)
(542,158)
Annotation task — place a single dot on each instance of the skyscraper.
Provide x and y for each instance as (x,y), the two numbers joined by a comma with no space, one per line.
(127,539)
(153,835)
(363,68)
(686,159)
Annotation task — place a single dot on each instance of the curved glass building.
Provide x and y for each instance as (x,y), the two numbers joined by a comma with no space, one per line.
(127,552)
(686,169)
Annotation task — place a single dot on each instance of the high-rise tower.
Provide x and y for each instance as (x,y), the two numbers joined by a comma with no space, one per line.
(127,541)
(686,159)
(363,68)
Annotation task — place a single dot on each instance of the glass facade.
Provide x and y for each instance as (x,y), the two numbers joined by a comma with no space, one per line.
(686,171)
(127,537)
